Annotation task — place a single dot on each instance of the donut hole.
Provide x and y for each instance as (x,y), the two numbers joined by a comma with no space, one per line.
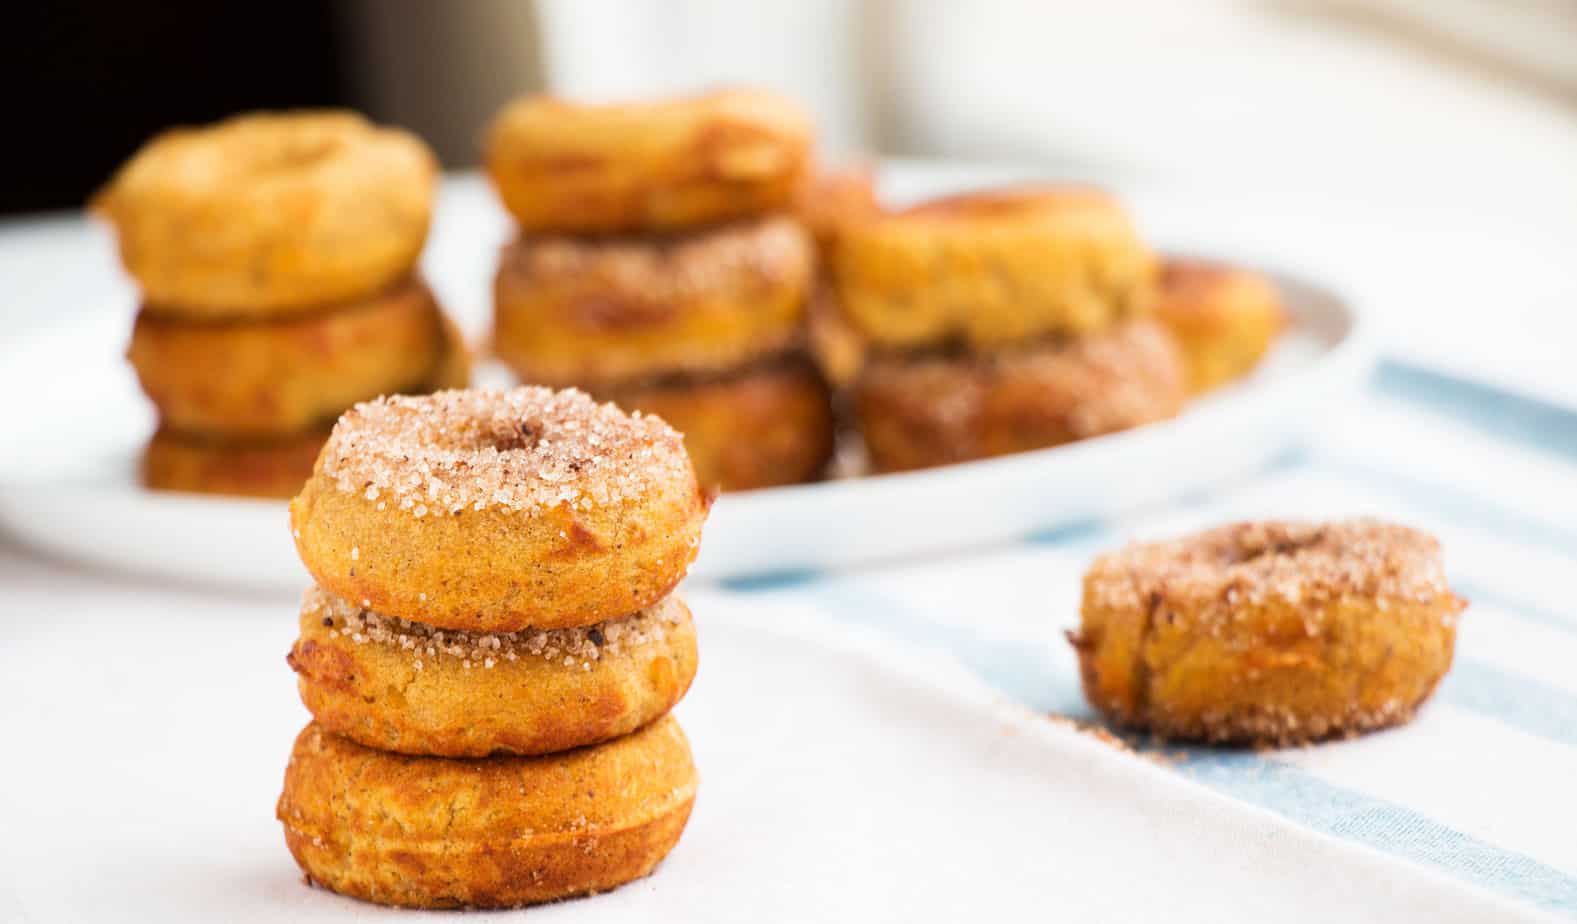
(506,435)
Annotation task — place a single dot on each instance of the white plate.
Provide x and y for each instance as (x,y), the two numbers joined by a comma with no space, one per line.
(68,481)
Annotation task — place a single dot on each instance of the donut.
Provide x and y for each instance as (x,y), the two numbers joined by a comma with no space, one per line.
(1273,633)
(271,214)
(832,199)
(658,166)
(496,511)
(765,425)
(273,469)
(993,268)
(917,411)
(260,379)
(1224,318)
(836,346)
(454,365)
(572,311)
(396,685)
(431,832)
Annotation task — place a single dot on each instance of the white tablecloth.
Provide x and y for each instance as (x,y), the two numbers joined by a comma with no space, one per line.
(147,724)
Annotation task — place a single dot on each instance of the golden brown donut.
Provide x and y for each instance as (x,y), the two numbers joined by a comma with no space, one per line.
(271,214)
(993,268)
(261,379)
(571,311)
(397,685)
(495,511)
(836,346)
(767,424)
(921,411)
(1224,318)
(833,199)
(266,469)
(680,163)
(498,832)
(454,364)
(1268,633)
(275,467)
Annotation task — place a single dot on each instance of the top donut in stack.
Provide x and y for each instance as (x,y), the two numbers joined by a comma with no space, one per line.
(1002,321)
(656,266)
(276,256)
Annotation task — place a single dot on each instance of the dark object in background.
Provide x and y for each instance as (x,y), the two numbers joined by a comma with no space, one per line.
(87,82)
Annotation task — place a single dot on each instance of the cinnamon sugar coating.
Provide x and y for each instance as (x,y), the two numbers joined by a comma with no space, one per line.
(922,411)
(500,510)
(403,686)
(1269,633)
(578,311)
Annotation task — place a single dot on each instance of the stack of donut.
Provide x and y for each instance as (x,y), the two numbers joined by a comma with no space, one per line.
(491,650)
(276,256)
(657,266)
(1002,321)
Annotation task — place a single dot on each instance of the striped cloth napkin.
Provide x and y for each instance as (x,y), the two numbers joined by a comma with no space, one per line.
(1478,786)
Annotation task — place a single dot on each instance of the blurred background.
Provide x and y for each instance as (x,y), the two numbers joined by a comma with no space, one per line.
(1412,136)
(1473,100)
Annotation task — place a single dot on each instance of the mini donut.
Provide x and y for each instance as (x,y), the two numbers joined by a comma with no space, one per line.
(572,311)
(496,511)
(658,166)
(1271,633)
(993,268)
(922,411)
(396,685)
(1224,318)
(260,379)
(768,424)
(454,363)
(271,214)
(836,346)
(832,199)
(498,832)
(273,469)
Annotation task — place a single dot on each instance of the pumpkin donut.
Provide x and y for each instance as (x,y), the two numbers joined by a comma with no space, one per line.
(765,425)
(993,268)
(273,469)
(496,511)
(396,685)
(271,214)
(1224,318)
(836,346)
(658,166)
(1271,633)
(926,410)
(262,379)
(833,199)
(497,832)
(572,311)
